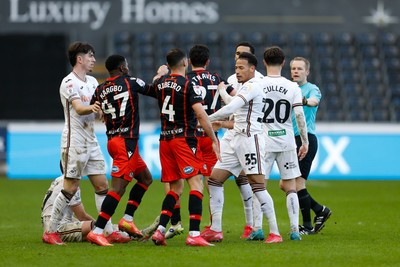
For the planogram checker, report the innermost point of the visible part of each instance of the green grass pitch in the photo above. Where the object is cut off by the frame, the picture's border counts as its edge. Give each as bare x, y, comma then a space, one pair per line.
362, 231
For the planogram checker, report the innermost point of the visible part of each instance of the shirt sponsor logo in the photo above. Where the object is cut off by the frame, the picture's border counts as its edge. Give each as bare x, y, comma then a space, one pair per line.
188, 170
174, 131
277, 133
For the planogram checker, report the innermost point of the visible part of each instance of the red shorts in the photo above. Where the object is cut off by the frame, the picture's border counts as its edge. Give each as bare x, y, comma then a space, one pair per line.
127, 162
180, 158
207, 153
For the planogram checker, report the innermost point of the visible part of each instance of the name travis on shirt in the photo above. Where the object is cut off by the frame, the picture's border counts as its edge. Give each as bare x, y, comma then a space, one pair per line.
202, 76
275, 88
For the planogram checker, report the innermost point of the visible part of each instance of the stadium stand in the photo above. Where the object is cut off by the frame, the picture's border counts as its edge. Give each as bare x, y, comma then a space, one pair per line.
358, 74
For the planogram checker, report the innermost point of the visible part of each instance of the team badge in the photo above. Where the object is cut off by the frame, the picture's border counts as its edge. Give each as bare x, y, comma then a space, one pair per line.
200, 90
114, 169
188, 170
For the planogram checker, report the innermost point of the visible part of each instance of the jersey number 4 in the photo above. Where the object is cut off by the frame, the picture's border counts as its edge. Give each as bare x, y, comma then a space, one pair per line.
168, 109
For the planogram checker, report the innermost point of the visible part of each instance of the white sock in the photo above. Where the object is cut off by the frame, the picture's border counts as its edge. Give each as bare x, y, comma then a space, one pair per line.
129, 218
257, 214
98, 230
216, 206
292, 204
267, 207
247, 198
59, 205
194, 233
162, 229
98, 199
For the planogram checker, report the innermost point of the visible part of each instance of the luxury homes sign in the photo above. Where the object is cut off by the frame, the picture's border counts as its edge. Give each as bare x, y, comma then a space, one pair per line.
95, 13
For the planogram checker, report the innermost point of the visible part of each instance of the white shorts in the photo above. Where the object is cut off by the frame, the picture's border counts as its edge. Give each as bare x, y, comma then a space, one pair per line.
83, 161
68, 232
287, 162
242, 153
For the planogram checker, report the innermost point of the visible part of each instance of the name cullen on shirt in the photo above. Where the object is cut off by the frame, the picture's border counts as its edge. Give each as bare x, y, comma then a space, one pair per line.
275, 88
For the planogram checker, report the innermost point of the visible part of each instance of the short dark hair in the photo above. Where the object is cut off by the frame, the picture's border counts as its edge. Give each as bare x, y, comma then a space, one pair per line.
78, 47
199, 54
247, 44
251, 59
174, 56
274, 55
113, 62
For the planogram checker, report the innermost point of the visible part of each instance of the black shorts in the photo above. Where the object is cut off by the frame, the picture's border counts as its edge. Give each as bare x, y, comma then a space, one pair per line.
305, 164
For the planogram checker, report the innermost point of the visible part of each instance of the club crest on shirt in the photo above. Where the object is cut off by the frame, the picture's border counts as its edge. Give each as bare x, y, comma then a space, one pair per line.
188, 170
198, 90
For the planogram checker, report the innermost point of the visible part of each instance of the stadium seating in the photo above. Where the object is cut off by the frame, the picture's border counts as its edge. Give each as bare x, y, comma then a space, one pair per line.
358, 73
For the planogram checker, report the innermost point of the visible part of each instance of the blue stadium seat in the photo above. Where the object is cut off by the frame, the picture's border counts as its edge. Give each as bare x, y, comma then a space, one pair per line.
366, 38
301, 38
145, 38
277, 38
189, 38
380, 114
256, 38
345, 38
323, 38
357, 115
167, 38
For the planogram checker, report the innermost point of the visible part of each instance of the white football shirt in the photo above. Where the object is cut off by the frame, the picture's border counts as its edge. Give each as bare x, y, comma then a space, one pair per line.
247, 115
281, 95
78, 129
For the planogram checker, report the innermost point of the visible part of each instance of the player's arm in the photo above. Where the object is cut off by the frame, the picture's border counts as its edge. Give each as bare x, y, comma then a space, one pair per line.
302, 126
217, 125
205, 123
82, 109
236, 103
80, 213
224, 94
310, 102
162, 70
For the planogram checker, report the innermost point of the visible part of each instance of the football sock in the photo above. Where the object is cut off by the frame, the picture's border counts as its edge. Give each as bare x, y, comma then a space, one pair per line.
257, 214
216, 203
195, 210
305, 206
108, 207
315, 206
60, 203
135, 197
167, 208
247, 198
292, 204
99, 197
267, 206
176, 214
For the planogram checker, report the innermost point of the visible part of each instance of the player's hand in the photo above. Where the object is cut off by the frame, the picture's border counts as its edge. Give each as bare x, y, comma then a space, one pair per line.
302, 151
222, 86
96, 107
216, 125
162, 70
305, 101
215, 147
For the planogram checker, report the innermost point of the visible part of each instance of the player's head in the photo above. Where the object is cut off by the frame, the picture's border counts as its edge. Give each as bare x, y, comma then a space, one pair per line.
245, 67
78, 51
274, 56
199, 56
117, 65
244, 47
176, 58
299, 70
